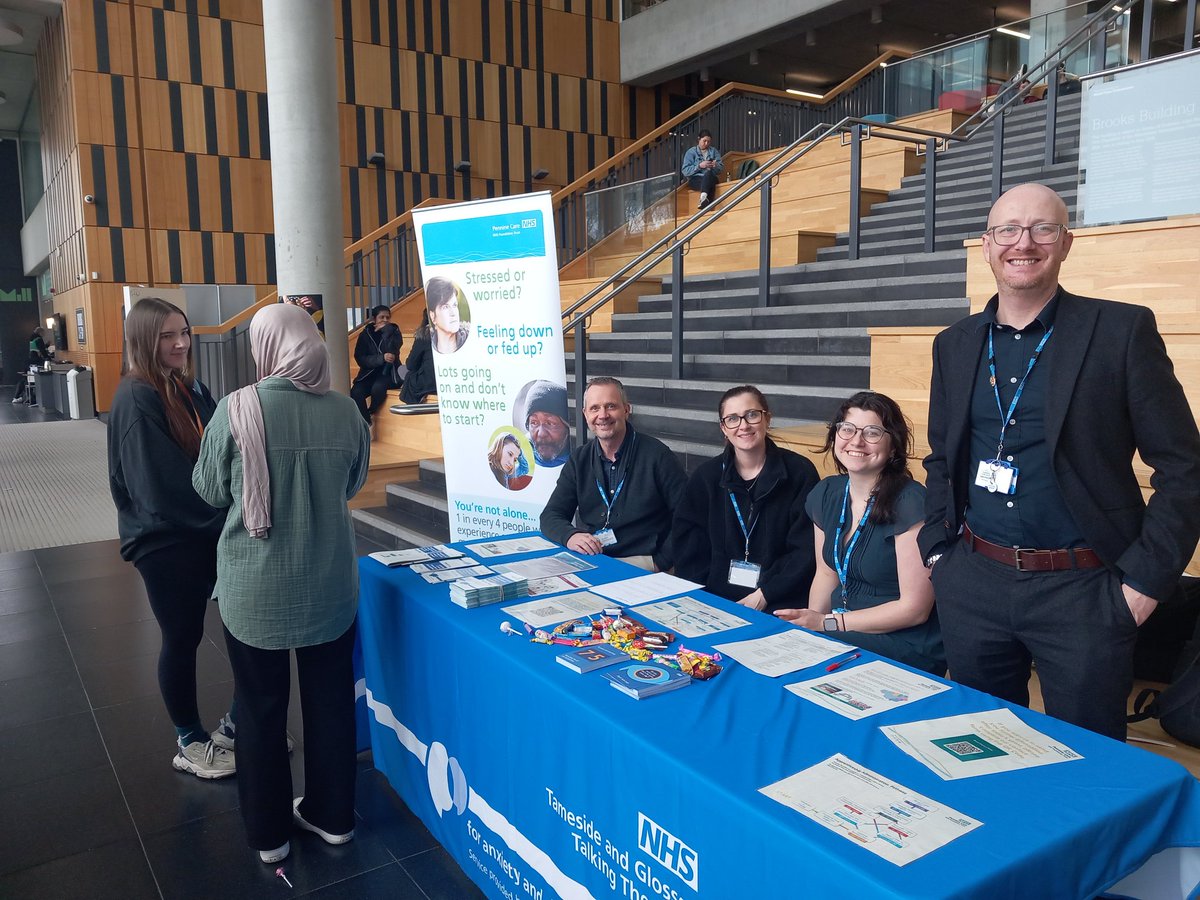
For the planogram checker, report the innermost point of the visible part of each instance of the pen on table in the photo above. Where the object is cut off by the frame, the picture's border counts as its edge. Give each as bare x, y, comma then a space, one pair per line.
841, 662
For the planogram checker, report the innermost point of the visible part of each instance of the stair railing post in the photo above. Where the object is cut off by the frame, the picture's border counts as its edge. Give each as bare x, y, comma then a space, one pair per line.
998, 154
580, 377
1189, 25
855, 188
1147, 24
930, 195
677, 312
1051, 115
764, 244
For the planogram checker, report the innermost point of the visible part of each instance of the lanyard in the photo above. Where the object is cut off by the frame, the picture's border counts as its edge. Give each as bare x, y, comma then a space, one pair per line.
742, 524
187, 399
842, 566
1005, 418
609, 504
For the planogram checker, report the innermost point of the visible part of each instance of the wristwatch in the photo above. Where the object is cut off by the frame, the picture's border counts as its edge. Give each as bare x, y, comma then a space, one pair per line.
830, 623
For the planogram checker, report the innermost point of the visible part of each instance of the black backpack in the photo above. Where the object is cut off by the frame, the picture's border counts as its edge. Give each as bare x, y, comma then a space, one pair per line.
1177, 707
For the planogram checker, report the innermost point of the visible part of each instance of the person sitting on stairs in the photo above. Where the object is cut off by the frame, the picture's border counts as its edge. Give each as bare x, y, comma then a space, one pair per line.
702, 165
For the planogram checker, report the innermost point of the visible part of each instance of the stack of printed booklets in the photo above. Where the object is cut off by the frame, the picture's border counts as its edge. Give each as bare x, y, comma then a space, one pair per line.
642, 680
485, 589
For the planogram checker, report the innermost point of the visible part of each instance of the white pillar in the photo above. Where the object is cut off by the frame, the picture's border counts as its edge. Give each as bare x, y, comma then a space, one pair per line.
305, 181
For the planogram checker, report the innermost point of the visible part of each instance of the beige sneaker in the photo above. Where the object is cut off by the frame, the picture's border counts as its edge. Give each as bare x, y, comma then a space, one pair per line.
205, 760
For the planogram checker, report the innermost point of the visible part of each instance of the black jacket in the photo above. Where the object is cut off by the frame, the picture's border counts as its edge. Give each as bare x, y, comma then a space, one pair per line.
1111, 392
370, 347
641, 517
421, 380
706, 534
150, 476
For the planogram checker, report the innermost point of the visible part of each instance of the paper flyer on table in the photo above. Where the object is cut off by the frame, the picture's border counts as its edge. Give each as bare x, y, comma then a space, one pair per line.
511, 546
644, 588
868, 689
691, 618
551, 611
783, 653
555, 584
455, 574
546, 566
879, 815
979, 743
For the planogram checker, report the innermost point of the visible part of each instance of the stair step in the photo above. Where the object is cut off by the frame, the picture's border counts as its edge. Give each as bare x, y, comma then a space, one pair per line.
393, 530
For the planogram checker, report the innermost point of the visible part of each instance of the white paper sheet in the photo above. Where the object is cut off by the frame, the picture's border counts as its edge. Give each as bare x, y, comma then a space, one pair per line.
645, 588
546, 566
689, 617
449, 575
868, 689
862, 806
552, 610
509, 546
979, 743
783, 653
555, 584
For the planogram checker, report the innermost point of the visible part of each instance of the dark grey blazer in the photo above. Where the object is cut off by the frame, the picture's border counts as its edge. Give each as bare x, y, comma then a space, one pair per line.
1112, 391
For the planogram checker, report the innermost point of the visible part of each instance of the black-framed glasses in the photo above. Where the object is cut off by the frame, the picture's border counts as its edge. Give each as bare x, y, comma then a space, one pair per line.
872, 434
1041, 232
733, 420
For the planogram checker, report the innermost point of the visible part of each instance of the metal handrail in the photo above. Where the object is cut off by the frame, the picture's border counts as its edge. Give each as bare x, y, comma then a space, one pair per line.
859, 129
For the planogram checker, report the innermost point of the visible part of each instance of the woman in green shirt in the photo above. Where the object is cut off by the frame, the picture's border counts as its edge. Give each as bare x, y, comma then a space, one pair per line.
283, 457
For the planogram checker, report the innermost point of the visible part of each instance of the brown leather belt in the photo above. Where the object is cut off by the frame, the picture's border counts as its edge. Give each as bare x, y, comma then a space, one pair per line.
1033, 560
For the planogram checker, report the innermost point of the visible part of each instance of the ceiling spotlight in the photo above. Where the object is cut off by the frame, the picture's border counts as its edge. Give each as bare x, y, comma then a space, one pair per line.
876, 15
704, 74
463, 166
754, 57
539, 174
810, 38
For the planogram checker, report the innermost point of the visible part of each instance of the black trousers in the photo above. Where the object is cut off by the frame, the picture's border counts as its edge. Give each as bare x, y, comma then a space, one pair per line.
705, 182
179, 584
1074, 624
262, 685
374, 386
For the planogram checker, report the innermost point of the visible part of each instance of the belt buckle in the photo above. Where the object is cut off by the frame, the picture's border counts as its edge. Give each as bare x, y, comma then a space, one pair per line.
1017, 558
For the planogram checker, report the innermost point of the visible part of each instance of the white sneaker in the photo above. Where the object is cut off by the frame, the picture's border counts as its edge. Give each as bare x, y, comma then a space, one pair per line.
279, 854
319, 832
205, 760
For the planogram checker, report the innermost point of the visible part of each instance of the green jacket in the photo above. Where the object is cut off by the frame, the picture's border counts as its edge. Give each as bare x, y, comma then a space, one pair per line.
298, 586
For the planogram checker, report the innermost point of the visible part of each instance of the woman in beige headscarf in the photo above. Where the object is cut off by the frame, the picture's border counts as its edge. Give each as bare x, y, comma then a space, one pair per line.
283, 456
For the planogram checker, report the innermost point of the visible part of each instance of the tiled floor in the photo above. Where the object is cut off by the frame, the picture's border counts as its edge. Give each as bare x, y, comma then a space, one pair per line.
91, 806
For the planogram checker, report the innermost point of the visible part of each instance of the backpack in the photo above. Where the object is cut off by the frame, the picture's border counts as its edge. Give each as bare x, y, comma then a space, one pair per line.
1177, 707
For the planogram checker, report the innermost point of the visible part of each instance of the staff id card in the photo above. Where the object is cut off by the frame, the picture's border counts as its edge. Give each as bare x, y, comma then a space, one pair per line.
606, 536
996, 476
744, 573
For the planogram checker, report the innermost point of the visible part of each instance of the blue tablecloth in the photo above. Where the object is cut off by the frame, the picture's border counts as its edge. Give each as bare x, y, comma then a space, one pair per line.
542, 782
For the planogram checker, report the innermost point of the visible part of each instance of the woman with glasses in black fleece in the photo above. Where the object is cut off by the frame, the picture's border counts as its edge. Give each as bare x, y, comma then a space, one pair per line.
741, 529
872, 589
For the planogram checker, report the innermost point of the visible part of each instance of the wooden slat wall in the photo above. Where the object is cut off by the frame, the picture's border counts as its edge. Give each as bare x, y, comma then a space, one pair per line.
158, 108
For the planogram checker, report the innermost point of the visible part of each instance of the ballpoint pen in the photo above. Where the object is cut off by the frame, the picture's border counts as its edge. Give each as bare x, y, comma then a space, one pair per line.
841, 662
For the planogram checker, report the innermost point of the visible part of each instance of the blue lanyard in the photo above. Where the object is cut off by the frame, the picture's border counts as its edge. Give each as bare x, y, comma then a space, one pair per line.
742, 523
842, 566
1012, 407
609, 504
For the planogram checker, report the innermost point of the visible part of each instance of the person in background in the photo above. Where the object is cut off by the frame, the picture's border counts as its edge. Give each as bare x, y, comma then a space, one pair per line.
449, 332
282, 457
621, 487
871, 588
377, 352
421, 380
702, 166
313, 304
507, 462
740, 528
169, 533
38, 355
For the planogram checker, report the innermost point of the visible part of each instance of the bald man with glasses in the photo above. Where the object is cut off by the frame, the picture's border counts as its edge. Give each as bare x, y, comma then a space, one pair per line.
1040, 545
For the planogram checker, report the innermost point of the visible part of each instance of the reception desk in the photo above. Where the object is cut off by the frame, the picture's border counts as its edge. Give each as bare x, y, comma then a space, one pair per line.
543, 782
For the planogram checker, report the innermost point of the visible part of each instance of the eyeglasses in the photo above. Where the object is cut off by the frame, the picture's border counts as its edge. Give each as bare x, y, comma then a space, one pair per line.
733, 420
872, 434
1041, 232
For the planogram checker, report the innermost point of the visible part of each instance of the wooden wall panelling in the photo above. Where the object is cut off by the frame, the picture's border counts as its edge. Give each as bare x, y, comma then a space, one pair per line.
249, 11
372, 75
564, 43
250, 59
104, 108
113, 177
117, 255
99, 36
166, 189
251, 195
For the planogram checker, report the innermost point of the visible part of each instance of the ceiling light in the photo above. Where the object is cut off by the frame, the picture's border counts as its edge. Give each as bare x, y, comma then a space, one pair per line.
1011, 33
876, 15
754, 57
810, 39
808, 94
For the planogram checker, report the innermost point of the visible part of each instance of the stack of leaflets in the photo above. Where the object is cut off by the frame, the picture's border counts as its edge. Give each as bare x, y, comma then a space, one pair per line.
642, 680
484, 589
588, 659
393, 558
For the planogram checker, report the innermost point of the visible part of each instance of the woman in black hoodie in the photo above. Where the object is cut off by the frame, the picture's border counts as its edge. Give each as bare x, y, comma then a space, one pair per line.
168, 533
741, 529
377, 353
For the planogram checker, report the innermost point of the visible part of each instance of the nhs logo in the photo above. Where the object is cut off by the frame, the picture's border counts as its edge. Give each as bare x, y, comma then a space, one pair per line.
669, 850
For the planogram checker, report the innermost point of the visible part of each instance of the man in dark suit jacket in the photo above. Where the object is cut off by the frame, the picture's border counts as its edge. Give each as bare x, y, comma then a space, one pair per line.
1039, 543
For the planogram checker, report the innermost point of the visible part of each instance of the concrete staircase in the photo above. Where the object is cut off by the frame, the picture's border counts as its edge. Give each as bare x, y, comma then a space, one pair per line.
809, 348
